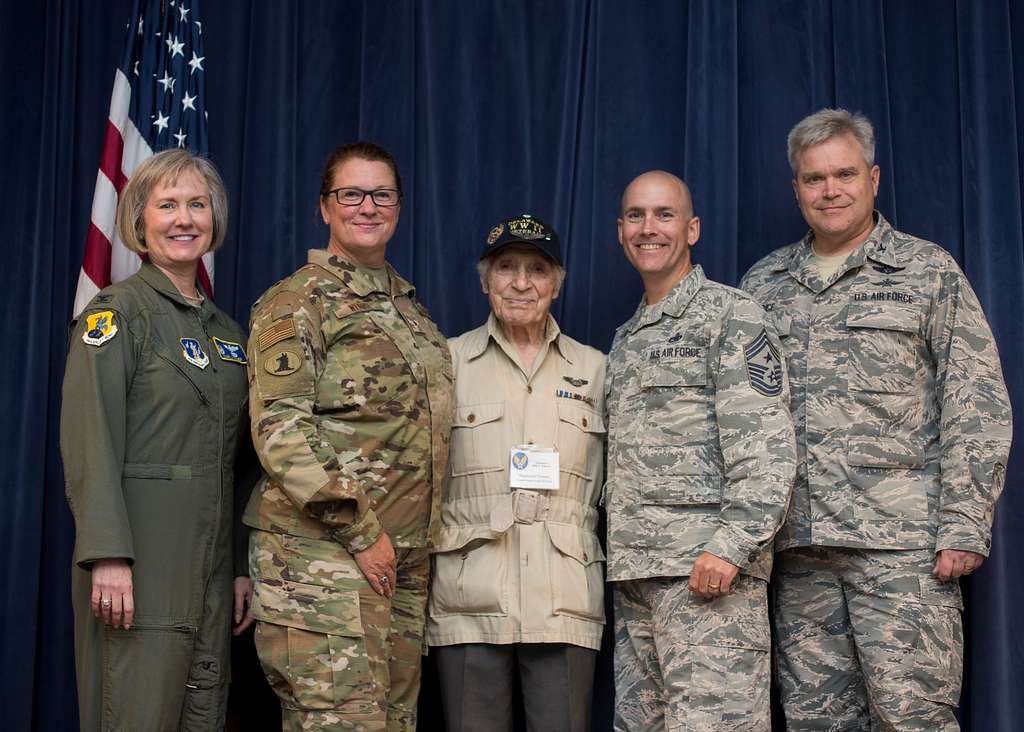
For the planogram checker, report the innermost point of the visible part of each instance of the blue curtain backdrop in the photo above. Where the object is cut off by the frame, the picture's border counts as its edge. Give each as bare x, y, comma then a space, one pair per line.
494, 108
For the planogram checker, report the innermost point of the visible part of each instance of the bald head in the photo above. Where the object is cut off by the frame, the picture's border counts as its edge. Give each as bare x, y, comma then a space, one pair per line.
671, 184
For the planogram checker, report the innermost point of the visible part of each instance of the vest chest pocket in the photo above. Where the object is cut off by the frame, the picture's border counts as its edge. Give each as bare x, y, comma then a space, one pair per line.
476, 437
675, 396
883, 353
580, 433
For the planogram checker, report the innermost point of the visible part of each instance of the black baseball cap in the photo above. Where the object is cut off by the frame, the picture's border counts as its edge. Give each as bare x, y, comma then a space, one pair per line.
524, 230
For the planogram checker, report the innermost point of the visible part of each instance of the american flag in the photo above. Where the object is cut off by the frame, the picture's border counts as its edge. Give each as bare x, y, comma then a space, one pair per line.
157, 103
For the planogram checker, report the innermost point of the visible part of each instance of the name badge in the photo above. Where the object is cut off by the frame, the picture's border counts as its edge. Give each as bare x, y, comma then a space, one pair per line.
533, 467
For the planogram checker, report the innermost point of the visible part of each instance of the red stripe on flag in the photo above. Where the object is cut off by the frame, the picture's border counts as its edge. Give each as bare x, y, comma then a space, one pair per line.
110, 159
96, 260
204, 279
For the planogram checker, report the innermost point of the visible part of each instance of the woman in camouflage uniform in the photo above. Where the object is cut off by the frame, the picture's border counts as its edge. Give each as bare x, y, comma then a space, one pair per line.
351, 387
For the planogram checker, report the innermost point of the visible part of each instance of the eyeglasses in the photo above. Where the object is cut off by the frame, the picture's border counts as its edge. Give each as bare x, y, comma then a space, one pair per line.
386, 197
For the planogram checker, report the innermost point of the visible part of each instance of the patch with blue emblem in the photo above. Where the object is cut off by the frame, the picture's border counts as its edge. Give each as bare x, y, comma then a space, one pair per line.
230, 351
764, 366
99, 328
194, 353
520, 460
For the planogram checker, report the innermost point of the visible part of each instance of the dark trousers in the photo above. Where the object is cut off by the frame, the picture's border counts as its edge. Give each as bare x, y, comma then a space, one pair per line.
557, 680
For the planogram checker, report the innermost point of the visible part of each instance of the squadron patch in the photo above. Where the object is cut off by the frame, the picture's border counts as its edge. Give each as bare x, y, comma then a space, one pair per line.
194, 353
230, 351
575, 381
495, 233
276, 333
764, 366
282, 363
99, 328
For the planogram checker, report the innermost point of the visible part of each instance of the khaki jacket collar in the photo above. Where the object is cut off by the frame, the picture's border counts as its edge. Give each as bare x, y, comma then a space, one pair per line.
479, 340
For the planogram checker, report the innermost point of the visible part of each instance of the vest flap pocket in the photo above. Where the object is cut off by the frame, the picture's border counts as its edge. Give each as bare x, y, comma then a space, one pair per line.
580, 416
679, 371
883, 452
574, 542
456, 537
682, 490
474, 415
309, 607
883, 316
157, 470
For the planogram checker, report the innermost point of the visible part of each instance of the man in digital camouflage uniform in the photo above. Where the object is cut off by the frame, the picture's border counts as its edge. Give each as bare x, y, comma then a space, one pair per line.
903, 429
351, 394
701, 457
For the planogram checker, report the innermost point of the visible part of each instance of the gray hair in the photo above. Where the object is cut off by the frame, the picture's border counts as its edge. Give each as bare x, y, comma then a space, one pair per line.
166, 167
825, 124
483, 268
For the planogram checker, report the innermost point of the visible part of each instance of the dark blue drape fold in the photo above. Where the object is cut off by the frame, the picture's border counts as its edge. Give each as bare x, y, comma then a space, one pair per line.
495, 108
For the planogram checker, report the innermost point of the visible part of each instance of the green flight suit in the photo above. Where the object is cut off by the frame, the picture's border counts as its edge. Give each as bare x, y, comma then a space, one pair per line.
158, 463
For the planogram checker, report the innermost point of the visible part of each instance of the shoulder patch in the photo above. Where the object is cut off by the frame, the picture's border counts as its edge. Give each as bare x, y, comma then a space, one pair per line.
282, 363
280, 331
99, 328
764, 366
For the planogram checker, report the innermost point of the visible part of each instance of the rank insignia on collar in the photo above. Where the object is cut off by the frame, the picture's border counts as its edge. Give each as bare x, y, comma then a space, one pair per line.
885, 268
99, 328
194, 353
575, 381
764, 366
230, 351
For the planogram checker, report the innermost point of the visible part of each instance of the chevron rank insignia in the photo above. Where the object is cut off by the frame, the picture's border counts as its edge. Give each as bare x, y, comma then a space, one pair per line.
764, 366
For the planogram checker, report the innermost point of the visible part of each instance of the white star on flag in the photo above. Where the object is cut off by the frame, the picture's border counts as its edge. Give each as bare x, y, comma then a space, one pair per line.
186, 102
180, 137
184, 12
161, 121
175, 46
196, 62
168, 82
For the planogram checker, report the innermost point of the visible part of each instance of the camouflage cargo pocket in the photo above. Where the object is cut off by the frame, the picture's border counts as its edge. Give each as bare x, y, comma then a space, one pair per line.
677, 400
938, 661
886, 480
311, 670
883, 347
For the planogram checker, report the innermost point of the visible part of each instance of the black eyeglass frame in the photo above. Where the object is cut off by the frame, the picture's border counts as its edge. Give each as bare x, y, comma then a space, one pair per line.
371, 194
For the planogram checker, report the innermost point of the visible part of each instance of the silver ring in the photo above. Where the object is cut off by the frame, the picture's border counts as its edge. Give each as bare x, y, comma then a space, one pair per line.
106, 603
384, 579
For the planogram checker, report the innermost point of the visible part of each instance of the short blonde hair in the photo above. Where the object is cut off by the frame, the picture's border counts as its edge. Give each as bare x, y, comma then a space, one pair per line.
168, 166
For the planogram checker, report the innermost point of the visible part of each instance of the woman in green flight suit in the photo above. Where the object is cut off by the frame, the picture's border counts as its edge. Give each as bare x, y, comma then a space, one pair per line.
157, 458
